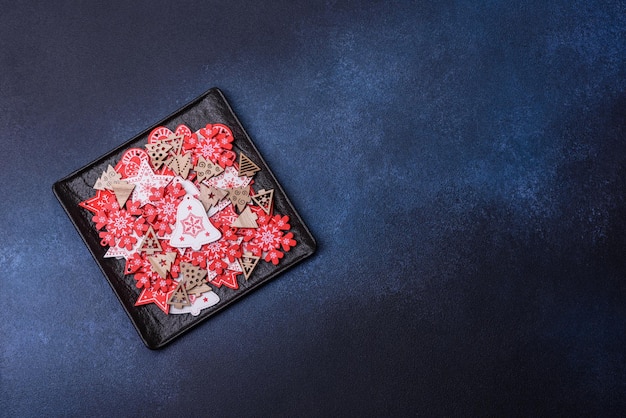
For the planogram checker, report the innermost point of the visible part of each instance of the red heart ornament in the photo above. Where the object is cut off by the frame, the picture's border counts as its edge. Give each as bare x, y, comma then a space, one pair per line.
128, 165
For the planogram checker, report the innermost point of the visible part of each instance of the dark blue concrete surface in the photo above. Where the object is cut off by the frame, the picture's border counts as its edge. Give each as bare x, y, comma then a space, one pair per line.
461, 164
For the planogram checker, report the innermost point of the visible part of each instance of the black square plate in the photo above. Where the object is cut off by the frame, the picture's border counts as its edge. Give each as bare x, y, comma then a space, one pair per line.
154, 326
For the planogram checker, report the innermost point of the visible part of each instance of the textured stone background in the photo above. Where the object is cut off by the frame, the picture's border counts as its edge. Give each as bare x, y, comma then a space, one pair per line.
461, 164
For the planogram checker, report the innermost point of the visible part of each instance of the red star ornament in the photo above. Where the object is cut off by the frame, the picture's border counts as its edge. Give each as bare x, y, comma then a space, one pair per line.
99, 201
228, 279
158, 297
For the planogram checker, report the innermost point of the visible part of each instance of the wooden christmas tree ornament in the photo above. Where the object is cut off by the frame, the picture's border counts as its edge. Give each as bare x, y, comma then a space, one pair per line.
193, 275
264, 199
106, 180
239, 196
246, 166
150, 243
176, 141
209, 196
247, 219
122, 190
162, 263
198, 290
206, 169
193, 278
248, 262
180, 164
179, 297
158, 153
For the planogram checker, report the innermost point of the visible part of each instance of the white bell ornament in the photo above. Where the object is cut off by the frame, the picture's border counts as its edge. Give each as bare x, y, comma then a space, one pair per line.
193, 228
